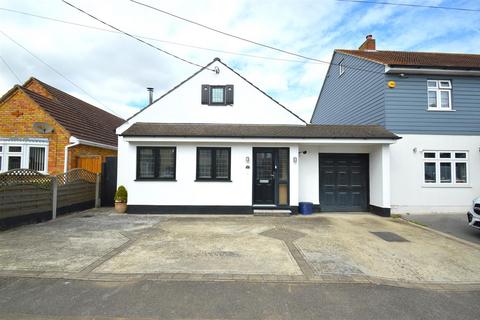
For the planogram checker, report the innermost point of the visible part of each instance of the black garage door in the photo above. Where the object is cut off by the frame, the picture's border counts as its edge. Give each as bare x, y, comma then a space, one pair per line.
343, 182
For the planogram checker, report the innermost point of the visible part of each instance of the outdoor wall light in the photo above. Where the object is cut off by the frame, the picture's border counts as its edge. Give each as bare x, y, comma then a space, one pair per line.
247, 159
415, 150
295, 159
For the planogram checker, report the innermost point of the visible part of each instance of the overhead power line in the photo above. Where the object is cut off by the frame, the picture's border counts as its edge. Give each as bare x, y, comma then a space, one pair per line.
55, 70
155, 39
225, 33
9, 68
411, 5
184, 44
135, 37
298, 55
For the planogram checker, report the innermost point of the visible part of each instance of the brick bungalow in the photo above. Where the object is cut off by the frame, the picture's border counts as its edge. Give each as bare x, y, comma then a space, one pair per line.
48, 130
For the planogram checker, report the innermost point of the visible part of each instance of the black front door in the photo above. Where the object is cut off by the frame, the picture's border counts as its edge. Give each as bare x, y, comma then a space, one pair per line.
263, 176
271, 176
343, 182
109, 181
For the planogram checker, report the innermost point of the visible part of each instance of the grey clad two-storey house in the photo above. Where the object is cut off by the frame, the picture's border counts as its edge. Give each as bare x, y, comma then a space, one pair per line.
432, 101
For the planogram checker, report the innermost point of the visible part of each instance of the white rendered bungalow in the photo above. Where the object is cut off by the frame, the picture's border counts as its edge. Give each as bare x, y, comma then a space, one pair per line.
218, 144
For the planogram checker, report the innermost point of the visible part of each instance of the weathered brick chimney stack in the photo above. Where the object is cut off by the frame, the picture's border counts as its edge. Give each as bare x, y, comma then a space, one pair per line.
369, 44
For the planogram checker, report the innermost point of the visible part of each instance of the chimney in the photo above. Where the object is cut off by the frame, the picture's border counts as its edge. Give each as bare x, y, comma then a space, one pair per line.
369, 44
150, 95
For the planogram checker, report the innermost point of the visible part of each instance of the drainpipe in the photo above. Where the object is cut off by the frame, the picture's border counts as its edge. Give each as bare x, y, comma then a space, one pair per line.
74, 142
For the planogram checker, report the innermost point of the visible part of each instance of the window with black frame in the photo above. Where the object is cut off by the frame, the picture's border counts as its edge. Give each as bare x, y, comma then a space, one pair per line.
156, 163
213, 164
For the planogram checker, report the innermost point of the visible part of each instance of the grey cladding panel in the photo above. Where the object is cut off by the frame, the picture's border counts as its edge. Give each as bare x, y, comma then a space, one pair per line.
355, 97
406, 106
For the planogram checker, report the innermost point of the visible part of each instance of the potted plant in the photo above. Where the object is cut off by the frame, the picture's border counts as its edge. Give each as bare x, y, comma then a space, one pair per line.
121, 199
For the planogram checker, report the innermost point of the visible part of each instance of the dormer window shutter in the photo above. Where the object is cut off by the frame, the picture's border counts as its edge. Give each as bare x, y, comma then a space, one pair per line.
229, 94
205, 94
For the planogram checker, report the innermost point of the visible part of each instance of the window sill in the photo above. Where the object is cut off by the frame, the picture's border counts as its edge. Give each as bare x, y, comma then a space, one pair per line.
213, 180
446, 185
440, 110
156, 179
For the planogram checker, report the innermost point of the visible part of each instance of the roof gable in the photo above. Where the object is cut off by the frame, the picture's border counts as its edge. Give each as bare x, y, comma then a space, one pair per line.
182, 104
81, 119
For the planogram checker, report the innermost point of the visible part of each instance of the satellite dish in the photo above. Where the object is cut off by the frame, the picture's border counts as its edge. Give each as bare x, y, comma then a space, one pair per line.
42, 127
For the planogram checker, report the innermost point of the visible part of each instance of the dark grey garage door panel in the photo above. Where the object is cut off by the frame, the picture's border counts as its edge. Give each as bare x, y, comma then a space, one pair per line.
343, 182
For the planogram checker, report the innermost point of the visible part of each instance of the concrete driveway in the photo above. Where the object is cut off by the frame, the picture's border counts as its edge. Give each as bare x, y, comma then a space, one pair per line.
454, 224
98, 244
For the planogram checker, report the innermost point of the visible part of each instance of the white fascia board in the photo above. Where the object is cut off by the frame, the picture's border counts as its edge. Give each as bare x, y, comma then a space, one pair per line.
453, 72
259, 140
123, 127
91, 143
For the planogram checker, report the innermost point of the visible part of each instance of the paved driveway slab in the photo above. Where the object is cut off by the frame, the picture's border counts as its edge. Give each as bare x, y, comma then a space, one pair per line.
228, 245
68, 244
101, 245
349, 246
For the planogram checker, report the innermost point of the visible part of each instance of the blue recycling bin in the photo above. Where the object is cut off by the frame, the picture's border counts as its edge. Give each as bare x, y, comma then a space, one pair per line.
305, 208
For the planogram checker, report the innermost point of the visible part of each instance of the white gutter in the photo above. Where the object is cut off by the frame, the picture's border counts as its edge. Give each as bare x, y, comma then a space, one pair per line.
96, 144
453, 72
73, 142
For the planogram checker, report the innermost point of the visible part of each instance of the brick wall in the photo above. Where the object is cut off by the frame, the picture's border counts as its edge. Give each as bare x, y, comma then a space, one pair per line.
18, 113
35, 86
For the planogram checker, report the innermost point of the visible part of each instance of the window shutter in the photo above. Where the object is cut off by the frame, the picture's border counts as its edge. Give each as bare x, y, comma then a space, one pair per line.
229, 94
205, 93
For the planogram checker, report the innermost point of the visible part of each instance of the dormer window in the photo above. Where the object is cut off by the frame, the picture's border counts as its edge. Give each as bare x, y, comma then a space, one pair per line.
341, 68
217, 95
439, 95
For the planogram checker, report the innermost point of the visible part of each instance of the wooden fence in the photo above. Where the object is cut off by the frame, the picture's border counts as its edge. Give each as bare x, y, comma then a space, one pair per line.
29, 196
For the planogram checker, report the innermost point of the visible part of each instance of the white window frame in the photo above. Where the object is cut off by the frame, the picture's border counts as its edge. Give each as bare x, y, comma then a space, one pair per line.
453, 161
25, 144
438, 89
341, 68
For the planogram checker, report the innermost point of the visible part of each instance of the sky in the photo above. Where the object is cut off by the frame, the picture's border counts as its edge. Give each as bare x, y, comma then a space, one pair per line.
112, 71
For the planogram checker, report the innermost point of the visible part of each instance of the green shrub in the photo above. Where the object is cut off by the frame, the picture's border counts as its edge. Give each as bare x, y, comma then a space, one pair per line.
121, 195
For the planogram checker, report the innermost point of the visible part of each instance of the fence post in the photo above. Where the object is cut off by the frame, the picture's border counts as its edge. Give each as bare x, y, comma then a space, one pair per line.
54, 197
97, 191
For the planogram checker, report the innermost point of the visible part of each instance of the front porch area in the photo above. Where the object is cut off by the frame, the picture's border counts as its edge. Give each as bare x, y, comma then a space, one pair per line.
351, 176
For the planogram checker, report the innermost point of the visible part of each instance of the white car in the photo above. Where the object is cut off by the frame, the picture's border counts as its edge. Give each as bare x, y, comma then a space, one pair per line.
473, 214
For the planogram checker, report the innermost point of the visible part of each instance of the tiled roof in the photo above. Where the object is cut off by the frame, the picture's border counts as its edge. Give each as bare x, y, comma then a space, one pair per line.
81, 119
419, 59
309, 131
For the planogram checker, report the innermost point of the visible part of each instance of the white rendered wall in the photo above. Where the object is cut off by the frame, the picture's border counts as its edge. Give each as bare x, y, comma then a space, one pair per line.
410, 195
378, 163
379, 166
183, 105
185, 190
